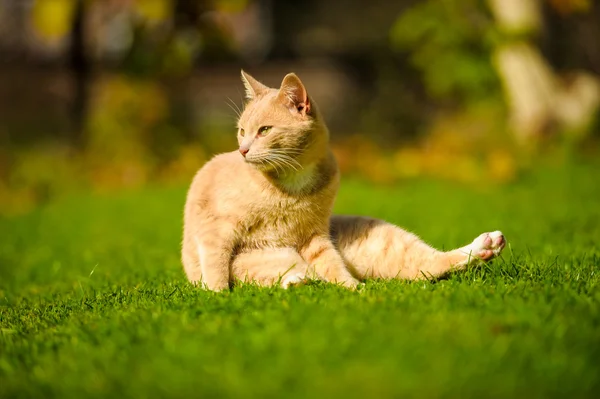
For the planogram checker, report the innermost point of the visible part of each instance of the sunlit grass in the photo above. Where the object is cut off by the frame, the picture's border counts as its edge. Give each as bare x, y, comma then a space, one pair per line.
93, 302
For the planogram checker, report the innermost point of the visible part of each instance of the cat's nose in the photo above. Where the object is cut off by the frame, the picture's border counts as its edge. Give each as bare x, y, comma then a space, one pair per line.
244, 151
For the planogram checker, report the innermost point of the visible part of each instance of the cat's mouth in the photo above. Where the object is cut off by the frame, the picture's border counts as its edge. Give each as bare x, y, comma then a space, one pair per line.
280, 163
260, 163
256, 162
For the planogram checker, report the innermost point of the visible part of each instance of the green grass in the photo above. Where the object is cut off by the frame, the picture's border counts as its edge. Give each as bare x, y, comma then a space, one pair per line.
93, 302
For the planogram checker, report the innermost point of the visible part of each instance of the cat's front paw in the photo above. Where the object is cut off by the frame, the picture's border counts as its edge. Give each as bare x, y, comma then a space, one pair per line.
351, 283
487, 246
292, 279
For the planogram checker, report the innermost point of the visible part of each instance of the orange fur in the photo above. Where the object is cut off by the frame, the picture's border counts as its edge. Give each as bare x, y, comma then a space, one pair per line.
263, 213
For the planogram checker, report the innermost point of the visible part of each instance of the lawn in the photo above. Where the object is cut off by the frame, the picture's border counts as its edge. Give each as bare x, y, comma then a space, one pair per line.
94, 303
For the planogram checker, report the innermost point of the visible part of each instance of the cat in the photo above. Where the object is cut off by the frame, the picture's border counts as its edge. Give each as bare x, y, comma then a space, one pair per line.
263, 213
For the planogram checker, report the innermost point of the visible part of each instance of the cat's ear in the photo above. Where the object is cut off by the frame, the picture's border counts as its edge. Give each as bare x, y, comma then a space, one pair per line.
294, 95
253, 87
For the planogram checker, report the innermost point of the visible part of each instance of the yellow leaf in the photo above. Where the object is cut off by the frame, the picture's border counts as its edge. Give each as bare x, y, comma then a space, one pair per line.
231, 6
51, 19
153, 11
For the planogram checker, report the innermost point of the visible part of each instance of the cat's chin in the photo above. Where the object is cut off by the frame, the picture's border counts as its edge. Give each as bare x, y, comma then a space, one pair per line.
258, 165
270, 169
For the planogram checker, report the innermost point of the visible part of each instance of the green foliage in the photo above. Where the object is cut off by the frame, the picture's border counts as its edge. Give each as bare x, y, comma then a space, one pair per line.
131, 138
93, 303
450, 42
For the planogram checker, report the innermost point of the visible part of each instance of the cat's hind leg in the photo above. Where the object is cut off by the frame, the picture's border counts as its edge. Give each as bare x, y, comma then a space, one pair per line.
270, 266
372, 248
484, 248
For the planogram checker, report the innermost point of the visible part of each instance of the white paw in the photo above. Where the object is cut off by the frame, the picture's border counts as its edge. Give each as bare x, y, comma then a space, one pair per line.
487, 246
292, 279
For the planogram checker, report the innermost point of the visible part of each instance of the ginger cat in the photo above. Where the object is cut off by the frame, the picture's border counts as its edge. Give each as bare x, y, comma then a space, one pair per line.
263, 213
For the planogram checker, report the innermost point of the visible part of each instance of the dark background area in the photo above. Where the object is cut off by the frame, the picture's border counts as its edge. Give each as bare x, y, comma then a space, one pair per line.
116, 93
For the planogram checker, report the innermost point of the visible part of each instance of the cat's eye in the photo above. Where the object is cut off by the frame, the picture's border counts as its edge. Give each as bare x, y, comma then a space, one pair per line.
263, 131
242, 132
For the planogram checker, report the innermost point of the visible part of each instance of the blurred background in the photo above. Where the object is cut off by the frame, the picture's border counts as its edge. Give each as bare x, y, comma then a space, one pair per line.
110, 94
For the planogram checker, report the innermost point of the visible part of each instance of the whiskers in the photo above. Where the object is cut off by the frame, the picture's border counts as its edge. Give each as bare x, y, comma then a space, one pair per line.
266, 161
234, 107
280, 159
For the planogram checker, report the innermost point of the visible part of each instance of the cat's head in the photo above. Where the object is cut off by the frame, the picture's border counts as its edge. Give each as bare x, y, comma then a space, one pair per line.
279, 129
